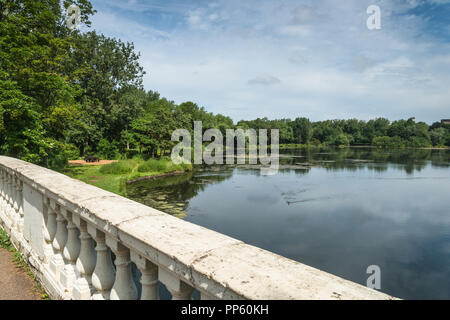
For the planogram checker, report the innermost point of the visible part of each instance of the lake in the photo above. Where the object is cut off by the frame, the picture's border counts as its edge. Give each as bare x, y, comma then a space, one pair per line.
338, 210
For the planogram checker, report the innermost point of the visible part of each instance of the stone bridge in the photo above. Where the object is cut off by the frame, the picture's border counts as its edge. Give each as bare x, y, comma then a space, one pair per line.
68, 231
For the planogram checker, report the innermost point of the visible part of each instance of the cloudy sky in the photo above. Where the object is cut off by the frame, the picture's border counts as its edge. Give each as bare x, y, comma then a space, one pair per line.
291, 58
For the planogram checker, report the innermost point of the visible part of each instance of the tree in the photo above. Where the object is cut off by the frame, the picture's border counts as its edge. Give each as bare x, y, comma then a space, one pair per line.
37, 100
302, 130
110, 77
438, 136
153, 130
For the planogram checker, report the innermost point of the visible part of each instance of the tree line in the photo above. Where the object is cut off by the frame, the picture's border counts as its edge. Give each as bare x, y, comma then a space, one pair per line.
66, 94
379, 132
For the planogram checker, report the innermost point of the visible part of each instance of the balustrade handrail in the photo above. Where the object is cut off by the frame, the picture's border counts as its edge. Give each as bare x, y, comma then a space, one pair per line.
56, 221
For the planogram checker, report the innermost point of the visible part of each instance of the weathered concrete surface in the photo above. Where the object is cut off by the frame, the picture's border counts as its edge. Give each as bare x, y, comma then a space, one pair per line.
217, 265
15, 284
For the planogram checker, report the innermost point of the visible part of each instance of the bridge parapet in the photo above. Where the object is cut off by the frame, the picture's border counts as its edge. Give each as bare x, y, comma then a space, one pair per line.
69, 231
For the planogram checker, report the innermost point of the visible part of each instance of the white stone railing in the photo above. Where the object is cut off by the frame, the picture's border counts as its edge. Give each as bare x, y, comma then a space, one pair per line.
68, 231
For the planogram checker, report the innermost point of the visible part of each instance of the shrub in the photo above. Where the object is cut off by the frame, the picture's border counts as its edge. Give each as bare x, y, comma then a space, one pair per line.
108, 150
389, 142
419, 142
61, 153
120, 167
381, 142
185, 166
153, 165
341, 139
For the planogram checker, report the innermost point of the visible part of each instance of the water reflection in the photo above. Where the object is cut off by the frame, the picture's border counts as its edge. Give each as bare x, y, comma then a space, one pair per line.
336, 210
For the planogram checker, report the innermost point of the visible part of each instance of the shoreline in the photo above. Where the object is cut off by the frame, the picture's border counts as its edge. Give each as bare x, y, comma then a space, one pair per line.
156, 176
116, 182
292, 147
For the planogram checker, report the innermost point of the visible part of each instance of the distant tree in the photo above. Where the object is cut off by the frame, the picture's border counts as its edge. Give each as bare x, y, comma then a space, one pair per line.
152, 131
341, 140
438, 136
382, 142
302, 130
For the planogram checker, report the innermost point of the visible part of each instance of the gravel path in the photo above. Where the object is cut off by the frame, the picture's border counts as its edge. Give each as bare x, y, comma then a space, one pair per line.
15, 284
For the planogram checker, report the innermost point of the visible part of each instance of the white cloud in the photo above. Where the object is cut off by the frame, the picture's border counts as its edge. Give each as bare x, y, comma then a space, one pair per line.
265, 80
317, 60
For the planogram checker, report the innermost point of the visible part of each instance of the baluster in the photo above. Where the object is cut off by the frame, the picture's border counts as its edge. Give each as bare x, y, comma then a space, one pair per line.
12, 211
82, 290
2, 192
149, 278
20, 213
177, 288
124, 287
8, 192
15, 204
104, 274
49, 229
16, 234
57, 260
70, 253
5, 191
7, 210
12, 199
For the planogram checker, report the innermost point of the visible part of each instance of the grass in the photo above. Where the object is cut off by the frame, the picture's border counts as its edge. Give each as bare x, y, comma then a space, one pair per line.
20, 263
162, 166
122, 167
113, 177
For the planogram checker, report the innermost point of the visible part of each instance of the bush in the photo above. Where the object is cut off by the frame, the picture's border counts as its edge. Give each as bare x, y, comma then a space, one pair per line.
419, 142
153, 165
107, 150
341, 140
130, 154
185, 167
388, 142
61, 153
120, 167
381, 142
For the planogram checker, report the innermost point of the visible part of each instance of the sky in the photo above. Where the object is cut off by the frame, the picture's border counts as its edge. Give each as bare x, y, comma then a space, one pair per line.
291, 58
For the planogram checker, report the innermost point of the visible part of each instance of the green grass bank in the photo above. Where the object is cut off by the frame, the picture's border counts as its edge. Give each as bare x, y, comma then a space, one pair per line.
113, 177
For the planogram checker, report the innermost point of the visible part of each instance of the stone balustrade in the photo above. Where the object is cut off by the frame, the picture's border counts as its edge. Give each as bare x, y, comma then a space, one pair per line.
70, 232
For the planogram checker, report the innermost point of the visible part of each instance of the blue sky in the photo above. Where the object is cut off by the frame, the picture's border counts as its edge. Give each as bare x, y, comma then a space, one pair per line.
287, 59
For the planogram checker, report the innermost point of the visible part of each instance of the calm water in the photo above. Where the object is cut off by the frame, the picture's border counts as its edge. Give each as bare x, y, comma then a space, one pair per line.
336, 210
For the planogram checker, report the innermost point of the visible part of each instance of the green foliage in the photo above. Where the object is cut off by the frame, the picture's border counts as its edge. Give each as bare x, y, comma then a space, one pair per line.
37, 100
153, 165
382, 142
108, 150
341, 140
379, 132
61, 153
439, 136
121, 167
5, 242
110, 80
419, 142
163, 166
